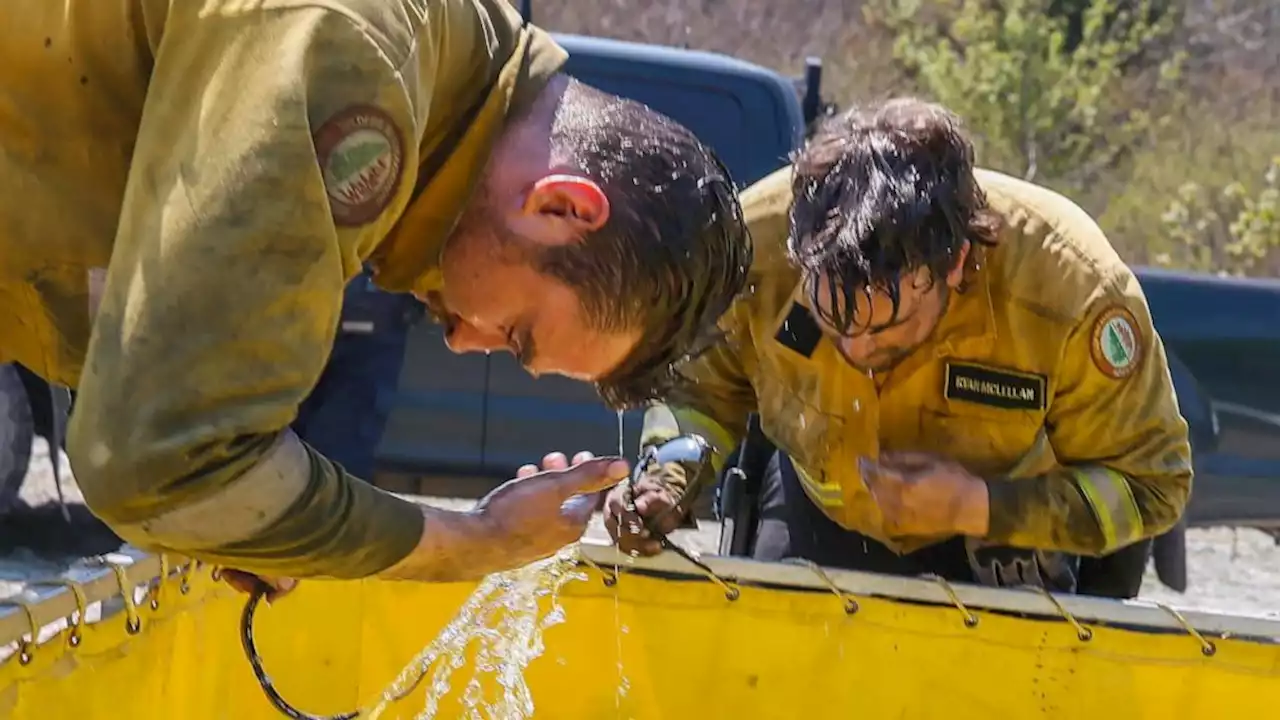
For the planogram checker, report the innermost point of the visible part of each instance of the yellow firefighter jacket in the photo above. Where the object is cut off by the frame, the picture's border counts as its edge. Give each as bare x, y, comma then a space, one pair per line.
1045, 377
196, 181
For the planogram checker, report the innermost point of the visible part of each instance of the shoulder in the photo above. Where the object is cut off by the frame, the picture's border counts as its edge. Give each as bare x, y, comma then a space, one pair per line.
766, 206
1053, 259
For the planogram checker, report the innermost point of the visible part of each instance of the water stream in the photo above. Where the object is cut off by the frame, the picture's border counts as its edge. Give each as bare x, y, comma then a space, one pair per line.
495, 635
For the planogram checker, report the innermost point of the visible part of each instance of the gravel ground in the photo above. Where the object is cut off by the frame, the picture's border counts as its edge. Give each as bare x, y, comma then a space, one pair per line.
1231, 570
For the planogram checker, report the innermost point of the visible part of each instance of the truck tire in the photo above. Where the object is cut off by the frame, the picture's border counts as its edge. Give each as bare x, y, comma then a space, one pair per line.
1170, 555
17, 432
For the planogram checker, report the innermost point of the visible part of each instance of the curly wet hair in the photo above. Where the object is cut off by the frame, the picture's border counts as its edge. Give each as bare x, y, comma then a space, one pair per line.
879, 192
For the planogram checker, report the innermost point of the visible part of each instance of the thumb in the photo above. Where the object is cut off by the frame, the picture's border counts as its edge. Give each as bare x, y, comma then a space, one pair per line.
591, 476
578, 509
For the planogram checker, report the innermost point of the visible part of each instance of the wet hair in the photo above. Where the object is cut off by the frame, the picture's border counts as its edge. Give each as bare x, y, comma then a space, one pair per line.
675, 250
879, 192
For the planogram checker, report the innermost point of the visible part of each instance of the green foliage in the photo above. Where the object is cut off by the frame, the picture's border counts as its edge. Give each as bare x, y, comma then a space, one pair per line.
1231, 230
1046, 95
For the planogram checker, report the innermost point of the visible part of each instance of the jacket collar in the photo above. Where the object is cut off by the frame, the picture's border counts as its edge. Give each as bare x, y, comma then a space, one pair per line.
408, 260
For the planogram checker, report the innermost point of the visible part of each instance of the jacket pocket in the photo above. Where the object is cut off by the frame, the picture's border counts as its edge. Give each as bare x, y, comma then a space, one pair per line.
989, 444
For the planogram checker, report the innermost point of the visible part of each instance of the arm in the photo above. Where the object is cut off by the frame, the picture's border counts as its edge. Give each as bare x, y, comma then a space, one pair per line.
715, 405
1115, 427
224, 292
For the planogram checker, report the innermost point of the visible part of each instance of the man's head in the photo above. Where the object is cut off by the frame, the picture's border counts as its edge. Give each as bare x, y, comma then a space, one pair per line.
603, 244
884, 224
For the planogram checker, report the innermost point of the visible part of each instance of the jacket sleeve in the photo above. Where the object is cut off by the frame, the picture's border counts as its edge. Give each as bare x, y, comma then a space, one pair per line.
1122, 445
276, 149
714, 403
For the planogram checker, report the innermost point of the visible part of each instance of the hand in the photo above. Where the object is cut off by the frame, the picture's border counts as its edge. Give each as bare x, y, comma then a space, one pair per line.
923, 495
553, 461
539, 512
654, 501
522, 521
247, 582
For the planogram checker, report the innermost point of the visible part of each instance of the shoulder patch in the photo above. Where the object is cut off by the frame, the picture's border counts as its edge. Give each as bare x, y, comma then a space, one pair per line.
361, 156
799, 331
1117, 346
996, 387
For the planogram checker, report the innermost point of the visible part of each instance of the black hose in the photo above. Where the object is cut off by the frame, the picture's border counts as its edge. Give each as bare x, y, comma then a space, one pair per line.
255, 661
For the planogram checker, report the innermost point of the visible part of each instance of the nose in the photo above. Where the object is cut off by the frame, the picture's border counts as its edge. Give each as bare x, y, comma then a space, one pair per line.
463, 337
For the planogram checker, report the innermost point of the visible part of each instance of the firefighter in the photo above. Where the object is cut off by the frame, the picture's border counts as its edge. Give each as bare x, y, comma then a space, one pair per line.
185, 189
961, 375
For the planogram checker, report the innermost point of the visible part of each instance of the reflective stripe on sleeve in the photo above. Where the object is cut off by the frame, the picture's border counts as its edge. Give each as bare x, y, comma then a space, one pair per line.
824, 494
248, 506
1111, 498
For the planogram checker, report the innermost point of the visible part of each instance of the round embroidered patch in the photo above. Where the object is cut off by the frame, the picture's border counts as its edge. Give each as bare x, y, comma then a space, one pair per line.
1117, 346
361, 155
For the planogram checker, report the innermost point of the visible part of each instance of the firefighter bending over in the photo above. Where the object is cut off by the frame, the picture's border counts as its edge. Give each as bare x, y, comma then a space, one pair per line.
961, 374
187, 187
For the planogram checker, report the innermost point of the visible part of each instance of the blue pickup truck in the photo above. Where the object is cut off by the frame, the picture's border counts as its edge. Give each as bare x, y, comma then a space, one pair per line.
473, 419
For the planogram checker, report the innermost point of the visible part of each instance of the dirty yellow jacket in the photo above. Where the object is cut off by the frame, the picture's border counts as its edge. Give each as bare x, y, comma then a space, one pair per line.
195, 181
1045, 377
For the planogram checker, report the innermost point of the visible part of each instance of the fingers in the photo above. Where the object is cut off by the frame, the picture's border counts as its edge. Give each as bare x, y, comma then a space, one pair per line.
615, 504
591, 476
626, 527
552, 461
248, 582
578, 510
655, 502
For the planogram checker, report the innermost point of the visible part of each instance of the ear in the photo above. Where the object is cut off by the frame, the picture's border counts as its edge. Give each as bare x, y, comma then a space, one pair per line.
956, 275
575, 203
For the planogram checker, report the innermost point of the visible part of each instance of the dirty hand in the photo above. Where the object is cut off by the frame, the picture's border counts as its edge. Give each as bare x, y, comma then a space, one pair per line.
246, 582
539, 512
923, 495
654, 501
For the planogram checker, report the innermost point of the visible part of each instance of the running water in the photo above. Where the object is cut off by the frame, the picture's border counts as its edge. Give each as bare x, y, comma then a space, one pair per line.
498, 632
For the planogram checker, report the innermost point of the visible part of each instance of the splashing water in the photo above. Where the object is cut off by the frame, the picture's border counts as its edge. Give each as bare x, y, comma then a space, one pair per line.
502, 624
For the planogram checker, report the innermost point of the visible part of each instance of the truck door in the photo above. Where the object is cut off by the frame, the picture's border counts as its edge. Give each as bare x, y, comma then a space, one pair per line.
437, 422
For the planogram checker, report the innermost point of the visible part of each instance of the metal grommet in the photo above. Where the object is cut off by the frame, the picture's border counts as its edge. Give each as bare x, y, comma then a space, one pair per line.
850, 604
731, 591
82, 606
1207, 647
1083, 633
155, 591
188, 573
970, 620
609, 578
26, 648
133, 622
